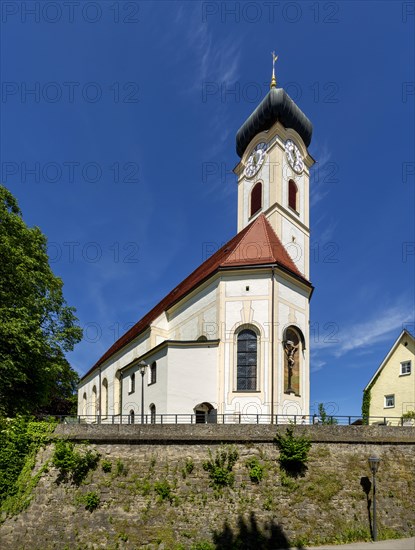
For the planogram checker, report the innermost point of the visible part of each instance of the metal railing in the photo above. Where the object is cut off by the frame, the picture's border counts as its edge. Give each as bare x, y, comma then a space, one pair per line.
232, 418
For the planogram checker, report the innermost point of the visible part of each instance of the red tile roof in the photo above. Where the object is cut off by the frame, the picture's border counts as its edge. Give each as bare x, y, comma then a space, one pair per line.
256, 244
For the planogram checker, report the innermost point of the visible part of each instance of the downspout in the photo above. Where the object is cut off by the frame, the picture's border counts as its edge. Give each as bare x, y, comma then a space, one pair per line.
272, 344
99, 397
120, 396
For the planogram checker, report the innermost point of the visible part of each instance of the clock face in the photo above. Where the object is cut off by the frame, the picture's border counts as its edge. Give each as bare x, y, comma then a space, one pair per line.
294, 156
255, 160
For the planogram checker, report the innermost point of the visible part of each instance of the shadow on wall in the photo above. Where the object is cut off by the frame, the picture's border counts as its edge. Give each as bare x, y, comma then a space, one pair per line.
366, 486
248, 536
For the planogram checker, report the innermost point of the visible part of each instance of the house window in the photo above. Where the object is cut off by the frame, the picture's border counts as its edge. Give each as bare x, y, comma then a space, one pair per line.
132, 383
246, 378
256, 198
293, 195
131, 416
405, 367
389, 401
153, 373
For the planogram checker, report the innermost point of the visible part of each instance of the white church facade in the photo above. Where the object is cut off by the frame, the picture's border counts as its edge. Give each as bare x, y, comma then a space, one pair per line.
233, 338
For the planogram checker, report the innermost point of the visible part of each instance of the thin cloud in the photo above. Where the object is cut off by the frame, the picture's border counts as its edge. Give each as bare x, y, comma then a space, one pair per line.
381, 327
316, 365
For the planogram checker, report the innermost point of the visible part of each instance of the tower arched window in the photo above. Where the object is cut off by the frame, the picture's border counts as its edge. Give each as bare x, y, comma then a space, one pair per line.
294, 346
256, 198
247, 358
293, 195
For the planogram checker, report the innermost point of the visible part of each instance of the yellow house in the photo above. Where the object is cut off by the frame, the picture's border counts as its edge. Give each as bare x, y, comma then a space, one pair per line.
391, 390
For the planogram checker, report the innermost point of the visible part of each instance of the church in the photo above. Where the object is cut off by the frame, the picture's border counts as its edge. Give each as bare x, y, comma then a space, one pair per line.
231, 342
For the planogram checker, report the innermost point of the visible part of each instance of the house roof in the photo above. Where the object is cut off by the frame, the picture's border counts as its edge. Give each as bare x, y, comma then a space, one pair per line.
403, 334
257, 244
276, 105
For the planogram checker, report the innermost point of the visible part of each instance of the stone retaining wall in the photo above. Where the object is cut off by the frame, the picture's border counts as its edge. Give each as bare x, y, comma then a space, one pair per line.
327, 504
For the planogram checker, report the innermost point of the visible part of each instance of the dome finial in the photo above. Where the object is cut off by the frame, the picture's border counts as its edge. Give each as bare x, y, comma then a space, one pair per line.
273, 79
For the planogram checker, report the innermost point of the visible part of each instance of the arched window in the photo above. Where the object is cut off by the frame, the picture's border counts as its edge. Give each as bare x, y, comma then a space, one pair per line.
84, 404
152, 413
256, 198
293, 343
132, 416
104, 397
94, 401
132, 383
247, 355
117, 392
153, 373
293, 195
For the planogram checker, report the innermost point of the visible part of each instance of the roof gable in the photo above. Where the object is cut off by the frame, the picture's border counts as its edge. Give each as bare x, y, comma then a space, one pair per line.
402, 335
257, 244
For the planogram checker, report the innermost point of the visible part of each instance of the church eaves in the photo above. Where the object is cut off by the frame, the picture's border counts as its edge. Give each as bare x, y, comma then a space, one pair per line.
255, 245
276, 106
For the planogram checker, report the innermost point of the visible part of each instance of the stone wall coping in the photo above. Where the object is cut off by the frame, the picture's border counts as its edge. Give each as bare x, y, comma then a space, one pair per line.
243, 433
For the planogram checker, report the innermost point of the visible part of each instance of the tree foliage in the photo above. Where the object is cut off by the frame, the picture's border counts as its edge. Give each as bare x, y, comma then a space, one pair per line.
37, 327
324, 417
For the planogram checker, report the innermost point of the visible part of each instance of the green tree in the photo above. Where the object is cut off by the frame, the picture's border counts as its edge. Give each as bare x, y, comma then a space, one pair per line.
37, 327
324, 417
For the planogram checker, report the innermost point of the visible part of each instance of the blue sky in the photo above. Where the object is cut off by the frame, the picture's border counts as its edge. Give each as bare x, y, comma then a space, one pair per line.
118, 123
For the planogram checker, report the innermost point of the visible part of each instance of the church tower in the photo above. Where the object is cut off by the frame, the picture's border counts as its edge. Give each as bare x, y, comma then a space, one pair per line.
230, 343
273, 174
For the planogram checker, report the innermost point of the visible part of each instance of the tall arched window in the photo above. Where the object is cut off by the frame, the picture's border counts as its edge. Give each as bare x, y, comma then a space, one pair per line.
293, 352
132, 416
104, 397
117, 392
152, 413
153, 373
247, 355
132, 383
256, 198
293, 195
84, 404
94, 401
